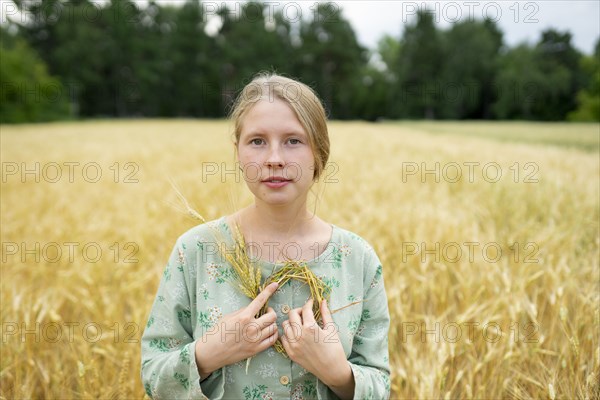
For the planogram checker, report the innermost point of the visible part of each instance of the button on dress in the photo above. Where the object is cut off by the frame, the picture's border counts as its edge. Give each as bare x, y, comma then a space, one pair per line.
194, 293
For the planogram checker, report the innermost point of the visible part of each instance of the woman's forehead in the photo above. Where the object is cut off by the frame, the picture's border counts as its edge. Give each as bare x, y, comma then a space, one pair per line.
271, 117
269, 106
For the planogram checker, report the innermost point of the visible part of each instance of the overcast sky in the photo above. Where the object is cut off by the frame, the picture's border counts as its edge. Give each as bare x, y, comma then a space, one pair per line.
519, 20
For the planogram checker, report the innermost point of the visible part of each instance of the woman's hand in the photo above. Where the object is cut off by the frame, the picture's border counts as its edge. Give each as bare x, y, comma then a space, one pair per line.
317, 349
238, 335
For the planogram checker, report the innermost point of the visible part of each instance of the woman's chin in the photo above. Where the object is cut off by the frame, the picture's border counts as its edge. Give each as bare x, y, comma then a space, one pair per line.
277, 199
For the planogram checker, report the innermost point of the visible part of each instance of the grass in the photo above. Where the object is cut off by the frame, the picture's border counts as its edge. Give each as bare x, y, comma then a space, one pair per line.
583, 136
528, 319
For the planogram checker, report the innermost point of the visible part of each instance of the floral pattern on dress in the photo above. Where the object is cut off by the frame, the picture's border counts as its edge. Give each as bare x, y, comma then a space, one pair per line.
378, 274
179, 291
267, 370
181, 259
233, 300
214, 314
184, 316
182, 379
184, 355
167, 273
257, 392
203, 291
219, 273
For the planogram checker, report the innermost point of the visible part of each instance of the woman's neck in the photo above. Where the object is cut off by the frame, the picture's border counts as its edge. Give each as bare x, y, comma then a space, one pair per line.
283, 222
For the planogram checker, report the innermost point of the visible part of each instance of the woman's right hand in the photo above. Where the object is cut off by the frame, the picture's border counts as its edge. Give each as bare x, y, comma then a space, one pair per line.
238, 335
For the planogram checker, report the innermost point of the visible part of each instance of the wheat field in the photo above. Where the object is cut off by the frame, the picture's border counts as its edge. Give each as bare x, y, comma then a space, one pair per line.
488, 234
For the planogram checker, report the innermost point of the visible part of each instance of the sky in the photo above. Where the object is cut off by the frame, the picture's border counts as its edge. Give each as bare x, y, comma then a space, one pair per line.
520, 21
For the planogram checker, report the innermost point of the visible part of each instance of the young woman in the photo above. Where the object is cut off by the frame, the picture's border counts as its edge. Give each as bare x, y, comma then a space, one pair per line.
201, 330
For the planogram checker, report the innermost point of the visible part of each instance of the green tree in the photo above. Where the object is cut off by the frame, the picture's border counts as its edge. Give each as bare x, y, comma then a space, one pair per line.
27, 92
388, 49
370, 94
97, 48
39, 30
379, 76
419, 69
540, 82
330, 58
588, 99
121, 21
154, 71
72, 40
193, 82
250, 41
558, 60
518, 83
469, 69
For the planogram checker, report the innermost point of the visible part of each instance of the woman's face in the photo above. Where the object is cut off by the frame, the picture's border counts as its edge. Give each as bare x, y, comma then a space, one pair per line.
273, 143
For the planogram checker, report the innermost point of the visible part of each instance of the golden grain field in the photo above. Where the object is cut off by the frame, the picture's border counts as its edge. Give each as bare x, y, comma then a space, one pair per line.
492, 277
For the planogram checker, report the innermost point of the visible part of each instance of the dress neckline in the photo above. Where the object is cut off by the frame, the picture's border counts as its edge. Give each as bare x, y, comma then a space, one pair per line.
334, 231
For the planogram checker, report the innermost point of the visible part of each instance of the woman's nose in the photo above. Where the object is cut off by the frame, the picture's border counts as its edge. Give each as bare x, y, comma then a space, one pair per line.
274, 158
274, 163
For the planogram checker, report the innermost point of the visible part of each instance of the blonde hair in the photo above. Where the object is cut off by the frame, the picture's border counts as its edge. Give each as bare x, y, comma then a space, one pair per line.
300, 97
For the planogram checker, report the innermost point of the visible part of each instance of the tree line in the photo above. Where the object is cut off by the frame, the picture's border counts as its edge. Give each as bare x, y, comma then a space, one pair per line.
82, 59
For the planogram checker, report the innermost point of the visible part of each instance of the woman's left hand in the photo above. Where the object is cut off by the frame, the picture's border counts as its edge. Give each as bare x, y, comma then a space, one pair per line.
317, 349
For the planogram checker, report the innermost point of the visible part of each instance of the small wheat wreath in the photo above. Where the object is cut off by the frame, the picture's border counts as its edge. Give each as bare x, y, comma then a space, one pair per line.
247, 279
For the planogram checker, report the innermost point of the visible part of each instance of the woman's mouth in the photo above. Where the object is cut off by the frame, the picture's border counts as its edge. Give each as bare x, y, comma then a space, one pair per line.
276, 182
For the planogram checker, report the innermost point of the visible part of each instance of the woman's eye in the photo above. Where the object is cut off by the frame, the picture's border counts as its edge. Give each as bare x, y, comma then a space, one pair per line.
292, 141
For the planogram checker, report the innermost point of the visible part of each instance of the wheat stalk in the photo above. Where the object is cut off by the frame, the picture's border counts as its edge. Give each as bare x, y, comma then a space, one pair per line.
123, 392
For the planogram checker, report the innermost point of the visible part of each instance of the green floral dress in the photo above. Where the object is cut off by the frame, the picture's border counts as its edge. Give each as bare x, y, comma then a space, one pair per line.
194, 294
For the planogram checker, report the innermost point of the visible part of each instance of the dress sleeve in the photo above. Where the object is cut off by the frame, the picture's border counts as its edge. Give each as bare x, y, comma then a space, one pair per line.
369, 359
169, 368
